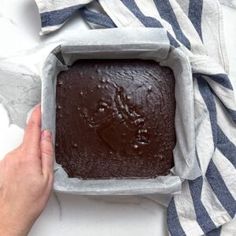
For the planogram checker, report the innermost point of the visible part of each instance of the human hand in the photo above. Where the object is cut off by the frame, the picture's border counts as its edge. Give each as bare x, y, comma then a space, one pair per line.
26, 178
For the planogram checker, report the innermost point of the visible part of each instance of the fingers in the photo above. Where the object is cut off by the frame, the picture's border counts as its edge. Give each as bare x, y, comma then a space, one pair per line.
31, 141
47, 153
38, 144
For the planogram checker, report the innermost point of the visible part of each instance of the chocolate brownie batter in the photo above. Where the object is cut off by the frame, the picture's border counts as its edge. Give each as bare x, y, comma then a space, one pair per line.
115, 119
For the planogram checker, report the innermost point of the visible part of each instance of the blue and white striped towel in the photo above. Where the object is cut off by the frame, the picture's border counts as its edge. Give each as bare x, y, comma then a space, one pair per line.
208, 202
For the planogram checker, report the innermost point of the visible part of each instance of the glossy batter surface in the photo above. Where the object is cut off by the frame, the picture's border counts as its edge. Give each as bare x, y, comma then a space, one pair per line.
115, 119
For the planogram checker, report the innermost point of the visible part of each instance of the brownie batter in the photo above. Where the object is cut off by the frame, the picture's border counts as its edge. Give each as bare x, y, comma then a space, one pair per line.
115, 119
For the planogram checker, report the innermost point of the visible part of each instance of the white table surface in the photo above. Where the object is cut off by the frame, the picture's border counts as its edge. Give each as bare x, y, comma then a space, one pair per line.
76, 215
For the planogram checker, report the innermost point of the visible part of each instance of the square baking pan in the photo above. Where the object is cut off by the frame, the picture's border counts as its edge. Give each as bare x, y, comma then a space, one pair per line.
146, 44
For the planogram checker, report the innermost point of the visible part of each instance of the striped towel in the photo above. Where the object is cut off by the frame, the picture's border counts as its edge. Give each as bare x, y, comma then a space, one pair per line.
195, 26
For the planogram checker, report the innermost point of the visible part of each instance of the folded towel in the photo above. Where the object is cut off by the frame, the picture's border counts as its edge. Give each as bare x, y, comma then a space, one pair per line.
206, 202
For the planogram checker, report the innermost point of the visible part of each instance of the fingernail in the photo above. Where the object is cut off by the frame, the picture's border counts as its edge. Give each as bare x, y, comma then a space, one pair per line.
38, 105
46, 134
31, 111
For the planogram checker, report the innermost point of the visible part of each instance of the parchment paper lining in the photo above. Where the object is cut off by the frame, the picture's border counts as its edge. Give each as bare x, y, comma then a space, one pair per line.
127, 44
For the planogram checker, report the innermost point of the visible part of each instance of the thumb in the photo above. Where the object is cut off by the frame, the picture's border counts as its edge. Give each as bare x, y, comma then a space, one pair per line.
47, 152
